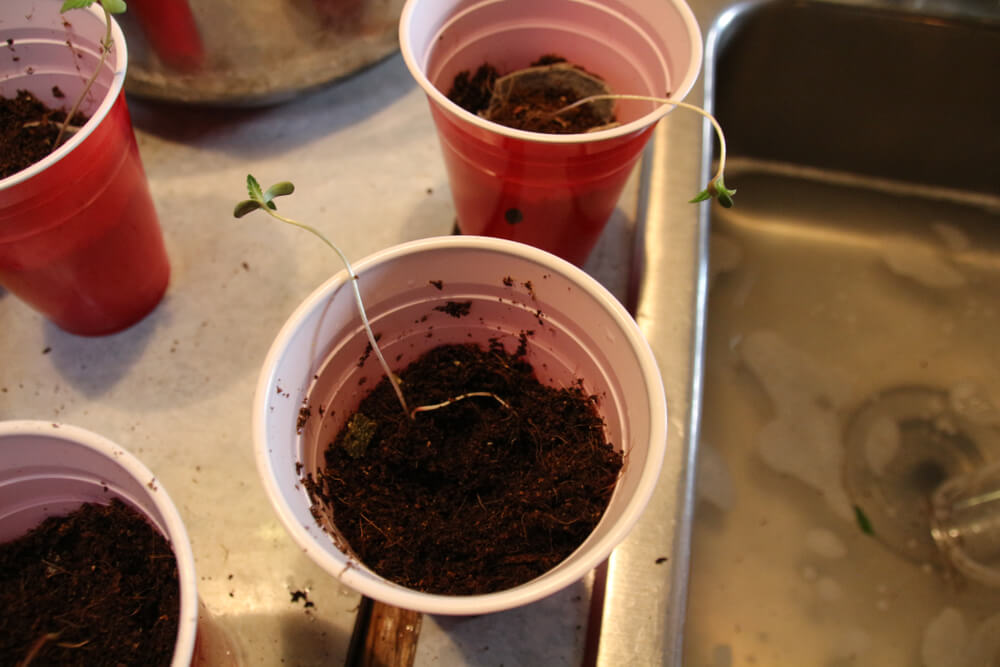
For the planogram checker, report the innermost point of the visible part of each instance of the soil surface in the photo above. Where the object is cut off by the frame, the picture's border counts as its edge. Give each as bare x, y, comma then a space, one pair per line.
28, 131
478, 495
531, 111
96, 587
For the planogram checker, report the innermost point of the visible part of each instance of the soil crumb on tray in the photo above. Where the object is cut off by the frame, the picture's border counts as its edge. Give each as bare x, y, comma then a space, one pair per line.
479, 495
98, 586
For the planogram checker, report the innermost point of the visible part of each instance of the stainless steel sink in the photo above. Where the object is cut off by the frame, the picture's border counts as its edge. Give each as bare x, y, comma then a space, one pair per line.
852, 347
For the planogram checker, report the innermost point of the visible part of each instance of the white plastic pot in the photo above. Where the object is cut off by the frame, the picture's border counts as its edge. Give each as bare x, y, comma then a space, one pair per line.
51, 469
580, 331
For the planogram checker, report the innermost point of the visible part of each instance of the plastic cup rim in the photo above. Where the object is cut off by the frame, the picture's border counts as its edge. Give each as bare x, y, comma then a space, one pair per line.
417, 67
120, 65
176, 533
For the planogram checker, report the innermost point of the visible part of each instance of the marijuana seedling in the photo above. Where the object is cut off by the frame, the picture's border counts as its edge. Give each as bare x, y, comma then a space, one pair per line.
109, 7
716, 187
264, 200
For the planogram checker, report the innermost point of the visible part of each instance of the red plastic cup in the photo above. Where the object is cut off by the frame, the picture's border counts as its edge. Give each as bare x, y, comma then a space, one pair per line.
172, 31
79, 237
555, 192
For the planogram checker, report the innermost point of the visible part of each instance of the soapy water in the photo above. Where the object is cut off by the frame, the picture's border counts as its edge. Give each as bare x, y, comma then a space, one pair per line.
714, 483
924, 263
802, 436
975, 402
825, 543
725, 255
803, 439
882, 444
954, 239
948, 641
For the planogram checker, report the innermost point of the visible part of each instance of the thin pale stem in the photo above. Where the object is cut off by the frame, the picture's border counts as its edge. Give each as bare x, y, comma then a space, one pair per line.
36, 646
456, 399
357, 298
105, 50
684, 105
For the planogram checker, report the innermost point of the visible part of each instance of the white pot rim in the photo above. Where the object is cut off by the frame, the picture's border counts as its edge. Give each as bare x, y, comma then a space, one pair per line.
370, 584
118, 59
174, 526
416, 66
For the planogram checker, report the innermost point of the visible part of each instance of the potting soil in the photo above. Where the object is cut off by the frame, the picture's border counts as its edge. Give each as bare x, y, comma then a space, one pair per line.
479, 495
28, 131
96, 587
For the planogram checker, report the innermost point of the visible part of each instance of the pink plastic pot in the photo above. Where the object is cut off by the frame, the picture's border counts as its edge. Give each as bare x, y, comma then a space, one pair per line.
580, 332
555, 192
49, 469
79, 237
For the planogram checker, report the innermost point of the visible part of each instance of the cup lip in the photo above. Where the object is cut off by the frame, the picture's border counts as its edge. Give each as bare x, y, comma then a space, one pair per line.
176, 533
682, 88
374, 586
120, 65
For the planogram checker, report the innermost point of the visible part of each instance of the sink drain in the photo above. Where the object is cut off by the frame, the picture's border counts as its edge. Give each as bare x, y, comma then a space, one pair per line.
900, 447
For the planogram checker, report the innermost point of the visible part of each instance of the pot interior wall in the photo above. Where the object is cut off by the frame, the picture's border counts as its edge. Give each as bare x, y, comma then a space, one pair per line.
561, 351
37, 58
42, 476
511, 36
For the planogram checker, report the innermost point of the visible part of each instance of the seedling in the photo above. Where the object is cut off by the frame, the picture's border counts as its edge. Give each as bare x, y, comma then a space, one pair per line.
109, 7
359, 431
561, 78
264, 200
716, 187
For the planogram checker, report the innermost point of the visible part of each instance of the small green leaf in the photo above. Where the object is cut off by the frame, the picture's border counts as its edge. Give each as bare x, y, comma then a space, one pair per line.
253, 189
244, 207
265, 197
725, 194
279, 190
716, 189
726, 199
359, 433
76, 4
114, 6
863, 522
111, 6
704, 195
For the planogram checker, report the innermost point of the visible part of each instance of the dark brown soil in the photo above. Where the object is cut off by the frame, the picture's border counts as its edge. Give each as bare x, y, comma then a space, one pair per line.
472, 91
476, 496
96, 587
28, 131
531, 112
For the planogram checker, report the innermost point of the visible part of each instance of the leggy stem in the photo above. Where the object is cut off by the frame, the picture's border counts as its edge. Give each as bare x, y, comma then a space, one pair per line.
717, 183
105, 49
357, 298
